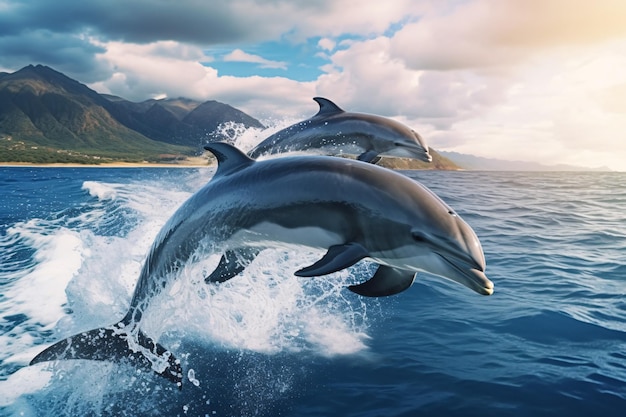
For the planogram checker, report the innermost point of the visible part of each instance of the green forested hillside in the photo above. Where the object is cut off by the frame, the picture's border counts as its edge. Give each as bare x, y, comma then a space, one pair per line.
46, 115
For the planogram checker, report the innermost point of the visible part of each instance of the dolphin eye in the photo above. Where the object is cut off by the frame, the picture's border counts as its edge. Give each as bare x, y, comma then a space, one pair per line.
452, 213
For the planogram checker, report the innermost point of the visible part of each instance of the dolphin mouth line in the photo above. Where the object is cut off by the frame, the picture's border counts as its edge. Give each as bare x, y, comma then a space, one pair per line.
417, 149
479, 286
411, 146
468, 261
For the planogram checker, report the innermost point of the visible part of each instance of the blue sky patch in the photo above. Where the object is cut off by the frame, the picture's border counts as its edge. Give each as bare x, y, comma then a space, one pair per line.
297, 61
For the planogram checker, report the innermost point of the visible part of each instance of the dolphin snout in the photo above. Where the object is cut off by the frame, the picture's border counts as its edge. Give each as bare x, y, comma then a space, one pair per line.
480, 283
460, 254
473, 278
426, 156
416, 150
472, 260
421, 143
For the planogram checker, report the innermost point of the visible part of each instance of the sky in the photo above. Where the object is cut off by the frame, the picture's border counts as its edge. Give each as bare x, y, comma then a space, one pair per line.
531, 80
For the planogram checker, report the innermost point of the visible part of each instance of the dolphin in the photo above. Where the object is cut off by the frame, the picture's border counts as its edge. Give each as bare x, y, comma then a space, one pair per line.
335, 131
352, 209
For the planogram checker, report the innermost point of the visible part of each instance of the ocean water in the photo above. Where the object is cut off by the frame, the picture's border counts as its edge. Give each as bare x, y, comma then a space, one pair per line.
551, 340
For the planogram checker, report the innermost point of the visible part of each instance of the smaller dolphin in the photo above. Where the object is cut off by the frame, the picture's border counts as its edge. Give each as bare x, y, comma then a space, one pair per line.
334, 131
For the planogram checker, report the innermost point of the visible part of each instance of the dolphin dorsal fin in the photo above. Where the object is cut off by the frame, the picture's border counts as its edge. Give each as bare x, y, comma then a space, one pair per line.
327, 107
229, 158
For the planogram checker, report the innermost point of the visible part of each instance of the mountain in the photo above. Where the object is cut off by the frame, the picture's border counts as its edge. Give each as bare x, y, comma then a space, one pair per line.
42, 110
180, 121
471, 162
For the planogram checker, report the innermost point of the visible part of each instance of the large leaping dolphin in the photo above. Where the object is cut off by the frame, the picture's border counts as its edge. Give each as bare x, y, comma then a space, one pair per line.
352, 209
334, 131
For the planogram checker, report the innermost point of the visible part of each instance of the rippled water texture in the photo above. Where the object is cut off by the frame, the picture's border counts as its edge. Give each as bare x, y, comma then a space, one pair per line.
551, 340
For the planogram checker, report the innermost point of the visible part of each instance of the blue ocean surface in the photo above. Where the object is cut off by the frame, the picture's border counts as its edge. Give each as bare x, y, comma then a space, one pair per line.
550, 341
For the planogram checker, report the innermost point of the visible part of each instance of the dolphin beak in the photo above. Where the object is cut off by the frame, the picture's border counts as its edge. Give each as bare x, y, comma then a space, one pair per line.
480, 283
420, 152
473, 278
425, 155
463, 262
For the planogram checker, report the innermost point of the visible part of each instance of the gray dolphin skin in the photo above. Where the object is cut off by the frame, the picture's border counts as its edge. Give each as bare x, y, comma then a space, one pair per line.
351, 209
334, 131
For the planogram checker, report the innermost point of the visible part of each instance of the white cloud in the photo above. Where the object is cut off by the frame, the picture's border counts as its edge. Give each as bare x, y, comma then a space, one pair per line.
240, 56
551, 111
142, 71
263, 97
368, 77
333, 18
327, 44
493, 33
497, 79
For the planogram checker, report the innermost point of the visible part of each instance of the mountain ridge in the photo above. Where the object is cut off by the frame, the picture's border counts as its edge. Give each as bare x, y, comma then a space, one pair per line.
43, 111
475, 163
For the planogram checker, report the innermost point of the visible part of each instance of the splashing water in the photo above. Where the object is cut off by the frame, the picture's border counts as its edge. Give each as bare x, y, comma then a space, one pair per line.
247, 138
80, 274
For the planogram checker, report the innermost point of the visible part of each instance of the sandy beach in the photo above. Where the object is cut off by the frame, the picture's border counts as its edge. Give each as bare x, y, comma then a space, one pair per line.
191, 162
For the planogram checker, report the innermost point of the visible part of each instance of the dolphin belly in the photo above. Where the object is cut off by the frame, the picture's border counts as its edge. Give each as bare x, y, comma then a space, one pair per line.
243, 246
311, 236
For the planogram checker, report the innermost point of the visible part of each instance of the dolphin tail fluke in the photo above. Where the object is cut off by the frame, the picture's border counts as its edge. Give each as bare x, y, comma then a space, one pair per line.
114, 344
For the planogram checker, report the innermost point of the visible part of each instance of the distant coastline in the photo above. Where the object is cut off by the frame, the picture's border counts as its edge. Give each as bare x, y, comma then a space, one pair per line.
190, 162
112, 165
206, 162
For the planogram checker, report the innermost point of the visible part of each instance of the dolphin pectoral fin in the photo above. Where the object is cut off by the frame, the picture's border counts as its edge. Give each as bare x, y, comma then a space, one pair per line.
232, 263
113, 344
369, 156
386, 281
337, 258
